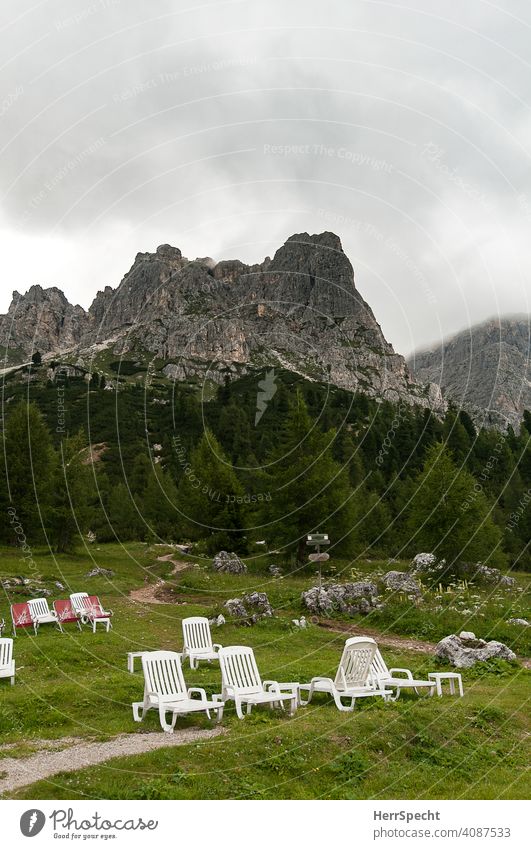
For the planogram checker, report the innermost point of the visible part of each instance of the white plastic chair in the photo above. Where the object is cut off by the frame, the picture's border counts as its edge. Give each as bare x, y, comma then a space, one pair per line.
7, 664
42, 615
352, 679
165, 690
380, 675
241, 682
90, 611
197, 639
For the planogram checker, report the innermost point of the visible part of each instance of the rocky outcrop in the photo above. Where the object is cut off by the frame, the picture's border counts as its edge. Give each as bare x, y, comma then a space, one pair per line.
225, 562
465, 650
490, 575
402, 582
350, 598
486, 369
300, 310
251, 607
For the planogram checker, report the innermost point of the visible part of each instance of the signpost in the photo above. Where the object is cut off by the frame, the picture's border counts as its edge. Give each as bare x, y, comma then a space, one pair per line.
318, 556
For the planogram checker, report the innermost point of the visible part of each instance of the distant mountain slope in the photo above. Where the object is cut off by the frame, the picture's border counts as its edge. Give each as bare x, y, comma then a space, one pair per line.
485, 369
300, 311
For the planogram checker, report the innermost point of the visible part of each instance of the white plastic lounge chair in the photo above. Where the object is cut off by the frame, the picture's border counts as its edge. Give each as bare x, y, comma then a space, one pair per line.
352, 679
241, 682
2, 626
7, 664
380, 675
90, 610
165, 690
42, 615
198, 643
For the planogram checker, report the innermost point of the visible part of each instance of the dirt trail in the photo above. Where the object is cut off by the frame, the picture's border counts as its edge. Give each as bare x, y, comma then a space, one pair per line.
149, 594
17, 772
395, 642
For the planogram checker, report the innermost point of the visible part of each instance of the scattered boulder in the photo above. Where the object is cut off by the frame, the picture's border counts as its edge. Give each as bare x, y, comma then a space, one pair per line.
465, 650
402, 582
522, 622
276, 571
423, 563
98, 571
218, 621
350, 598
252, 607
228, 562
300, 623
491, 576
235, 607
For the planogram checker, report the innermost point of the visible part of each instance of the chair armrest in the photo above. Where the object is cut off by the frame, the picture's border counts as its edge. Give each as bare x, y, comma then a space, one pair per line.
199, 690
153, 696
217, 646
322, 678
407, 672
271, 686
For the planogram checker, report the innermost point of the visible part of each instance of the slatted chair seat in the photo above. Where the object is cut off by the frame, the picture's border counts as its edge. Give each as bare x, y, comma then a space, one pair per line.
241, 682
90, 610
197, 640
7, 664
65, 612
21, 616
381, 675
352, 679
41, 614
165, 690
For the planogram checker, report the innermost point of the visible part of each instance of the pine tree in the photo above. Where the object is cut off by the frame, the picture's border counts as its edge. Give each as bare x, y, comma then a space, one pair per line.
310, 492
73, 493
211, 499
450, 516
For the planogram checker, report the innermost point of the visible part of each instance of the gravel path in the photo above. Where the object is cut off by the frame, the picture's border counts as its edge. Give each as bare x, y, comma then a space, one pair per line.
17, 772
149, 594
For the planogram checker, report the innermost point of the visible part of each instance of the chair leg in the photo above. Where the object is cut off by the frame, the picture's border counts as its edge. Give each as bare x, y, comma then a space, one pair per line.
339, 703
460, 685
238, 706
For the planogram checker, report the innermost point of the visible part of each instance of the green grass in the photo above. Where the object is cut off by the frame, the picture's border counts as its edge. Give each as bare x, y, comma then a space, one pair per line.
77, 685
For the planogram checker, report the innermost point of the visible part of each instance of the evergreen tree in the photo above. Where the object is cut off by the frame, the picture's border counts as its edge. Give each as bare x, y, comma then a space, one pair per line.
450, 516
211, 498
309, 490
73, 492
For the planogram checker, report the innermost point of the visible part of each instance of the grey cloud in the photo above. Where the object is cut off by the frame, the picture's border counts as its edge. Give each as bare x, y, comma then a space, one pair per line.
226, 127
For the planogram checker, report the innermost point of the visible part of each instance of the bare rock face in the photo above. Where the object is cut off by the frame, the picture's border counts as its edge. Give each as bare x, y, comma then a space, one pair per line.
465, 650
235, 607
402, 582
350, 598
225, 562
258, 603
485, 369
300, 310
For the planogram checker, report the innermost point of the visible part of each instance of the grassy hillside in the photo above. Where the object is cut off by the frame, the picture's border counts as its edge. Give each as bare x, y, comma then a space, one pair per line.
77, 685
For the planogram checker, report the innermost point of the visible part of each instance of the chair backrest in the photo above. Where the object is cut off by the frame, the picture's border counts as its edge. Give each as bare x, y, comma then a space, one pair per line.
6, 652
355, 664
379, 670
80, 602
163, 675
64, 610
39, 607
21, 615
196, 633
239, 670
96, 608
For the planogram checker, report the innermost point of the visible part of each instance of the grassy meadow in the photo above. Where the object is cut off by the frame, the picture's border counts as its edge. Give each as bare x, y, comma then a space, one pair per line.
77, 685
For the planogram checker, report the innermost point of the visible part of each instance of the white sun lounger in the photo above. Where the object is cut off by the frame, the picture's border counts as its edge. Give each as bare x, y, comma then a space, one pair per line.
198, 643
7, 664
241, 682
165, 690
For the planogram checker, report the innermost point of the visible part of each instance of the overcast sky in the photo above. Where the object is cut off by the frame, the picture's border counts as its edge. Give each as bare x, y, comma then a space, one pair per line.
223, 128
